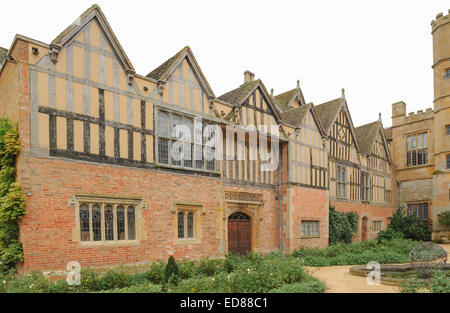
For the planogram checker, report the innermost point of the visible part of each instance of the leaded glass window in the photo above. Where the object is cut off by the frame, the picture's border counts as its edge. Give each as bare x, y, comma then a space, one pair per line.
97, 222
131, 223
120, 223
417, 149
180, 142
107, 222
84, 222
310, 228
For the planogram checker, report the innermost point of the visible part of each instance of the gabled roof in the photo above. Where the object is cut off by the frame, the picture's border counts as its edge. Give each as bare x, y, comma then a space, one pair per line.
3, 53
285, 99
327, 112
94, 12
366, 135
159, 72
295, 116
239, 95
163, 72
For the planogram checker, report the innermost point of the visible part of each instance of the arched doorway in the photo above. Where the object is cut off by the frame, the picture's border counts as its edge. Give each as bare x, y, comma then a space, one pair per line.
239, 233
363, 229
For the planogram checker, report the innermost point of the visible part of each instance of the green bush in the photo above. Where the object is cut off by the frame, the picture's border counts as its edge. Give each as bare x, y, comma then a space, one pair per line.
444, 219
381, 251
410, 226
12, 204
309, 286
139, 288
439, 283
115, 279
389, 234
171, 272
156, 272
342, 226
208, 267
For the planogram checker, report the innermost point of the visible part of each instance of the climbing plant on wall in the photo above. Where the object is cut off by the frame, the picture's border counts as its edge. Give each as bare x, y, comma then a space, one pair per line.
342, 226
12, 204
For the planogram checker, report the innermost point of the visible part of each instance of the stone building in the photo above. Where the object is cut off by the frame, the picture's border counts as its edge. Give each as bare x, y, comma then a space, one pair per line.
421, 141
109, 178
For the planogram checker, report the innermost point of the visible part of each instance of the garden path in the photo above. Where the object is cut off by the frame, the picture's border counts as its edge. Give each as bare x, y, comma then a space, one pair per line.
338, 279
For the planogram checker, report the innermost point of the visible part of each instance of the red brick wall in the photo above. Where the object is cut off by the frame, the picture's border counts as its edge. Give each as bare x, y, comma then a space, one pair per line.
308, 204
48, 229
372, 212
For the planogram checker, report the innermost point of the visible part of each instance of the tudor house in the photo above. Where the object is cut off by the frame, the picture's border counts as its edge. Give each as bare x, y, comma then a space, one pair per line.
107, 182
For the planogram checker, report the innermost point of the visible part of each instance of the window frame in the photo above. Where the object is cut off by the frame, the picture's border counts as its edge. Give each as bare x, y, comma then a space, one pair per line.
365, 187
377, 225
412, 149
115, 203
186, 209
341, 182
306, 234
410, 208
205, 164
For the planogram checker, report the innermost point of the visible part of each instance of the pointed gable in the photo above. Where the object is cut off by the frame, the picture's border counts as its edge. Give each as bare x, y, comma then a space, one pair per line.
370, 133
329, 112
286, 99
94, 13
241, 96
296, 116
163, 72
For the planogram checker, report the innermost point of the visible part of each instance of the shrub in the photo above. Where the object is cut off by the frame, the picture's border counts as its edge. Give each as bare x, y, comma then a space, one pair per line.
12, 204
410, 226
342, 226
115, 279
389, 234
311, 285
208, 267
155, 273
90, 280
382, 251
140, 288
439, 283
444, 219
171, 272
187, 268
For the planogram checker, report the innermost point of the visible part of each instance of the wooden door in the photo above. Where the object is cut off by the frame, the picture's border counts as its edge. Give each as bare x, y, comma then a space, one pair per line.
363, 229
239, 234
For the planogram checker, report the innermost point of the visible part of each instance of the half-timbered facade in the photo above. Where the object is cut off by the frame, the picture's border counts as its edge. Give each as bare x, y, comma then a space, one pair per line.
360, 167
122, 168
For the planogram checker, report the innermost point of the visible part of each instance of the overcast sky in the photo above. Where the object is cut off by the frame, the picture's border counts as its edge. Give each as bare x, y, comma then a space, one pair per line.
379, 51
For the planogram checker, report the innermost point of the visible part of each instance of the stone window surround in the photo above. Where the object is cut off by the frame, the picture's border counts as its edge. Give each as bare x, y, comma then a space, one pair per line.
309, 236
427, 148
137, 203
199, 211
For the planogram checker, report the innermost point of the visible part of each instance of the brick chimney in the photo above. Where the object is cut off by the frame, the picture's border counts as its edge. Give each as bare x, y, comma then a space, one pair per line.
248, 77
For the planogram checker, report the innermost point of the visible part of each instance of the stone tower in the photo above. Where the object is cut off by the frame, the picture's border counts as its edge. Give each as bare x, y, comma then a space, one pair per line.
441, 69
